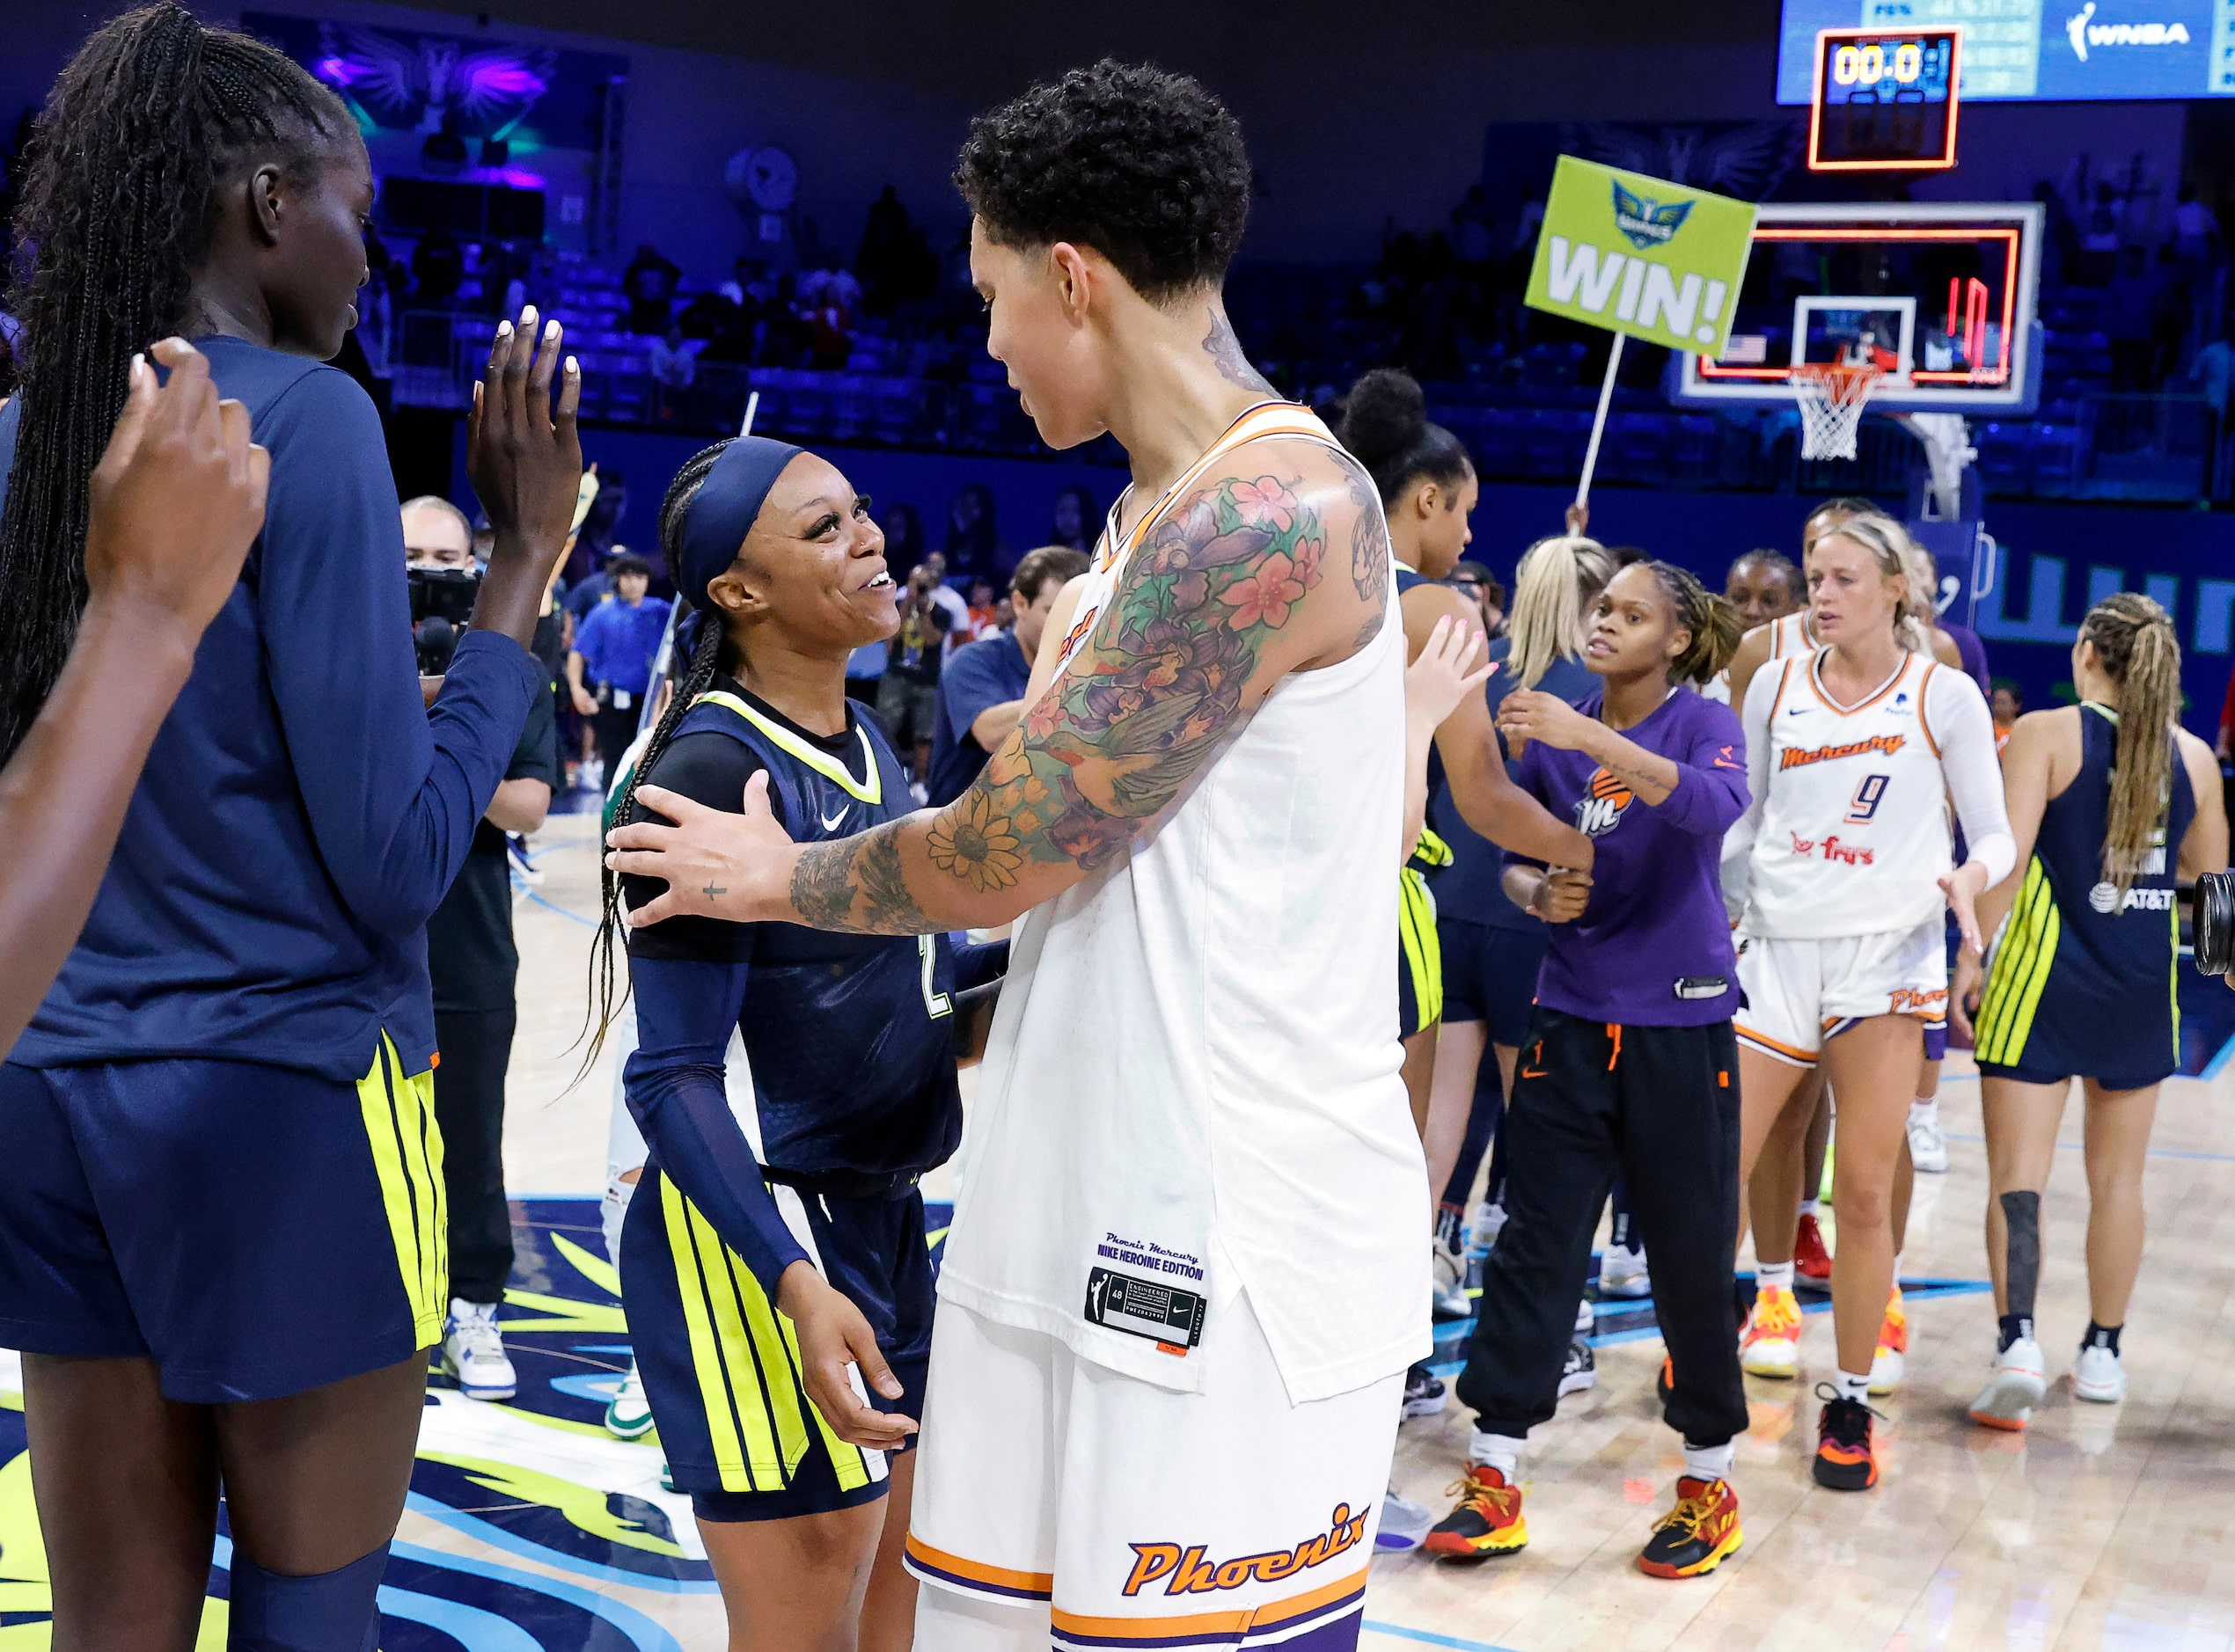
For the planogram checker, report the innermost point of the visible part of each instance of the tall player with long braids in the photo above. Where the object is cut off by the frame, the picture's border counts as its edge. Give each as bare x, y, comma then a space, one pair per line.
1138, 1399
1844, 865
2111, 801
233, 1070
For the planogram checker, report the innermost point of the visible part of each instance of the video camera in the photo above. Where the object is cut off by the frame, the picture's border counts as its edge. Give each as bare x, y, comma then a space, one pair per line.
2212, 912
442, 601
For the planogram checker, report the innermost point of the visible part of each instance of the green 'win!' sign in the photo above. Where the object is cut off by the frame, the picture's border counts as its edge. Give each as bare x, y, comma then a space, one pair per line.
1640, 256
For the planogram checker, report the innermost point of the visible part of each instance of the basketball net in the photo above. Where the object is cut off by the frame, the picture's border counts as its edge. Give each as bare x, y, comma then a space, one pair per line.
1832, 396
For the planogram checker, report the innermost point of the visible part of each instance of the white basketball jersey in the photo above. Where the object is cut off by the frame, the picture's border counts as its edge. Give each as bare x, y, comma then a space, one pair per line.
1191, 1086
1854, 835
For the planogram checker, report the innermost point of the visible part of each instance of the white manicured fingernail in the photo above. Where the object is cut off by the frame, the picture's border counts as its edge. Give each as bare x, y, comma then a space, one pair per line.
572, 366
139, 366
503, 329
551, 329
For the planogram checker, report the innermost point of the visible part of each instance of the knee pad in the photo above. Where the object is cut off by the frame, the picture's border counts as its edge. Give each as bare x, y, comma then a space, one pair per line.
330, 1612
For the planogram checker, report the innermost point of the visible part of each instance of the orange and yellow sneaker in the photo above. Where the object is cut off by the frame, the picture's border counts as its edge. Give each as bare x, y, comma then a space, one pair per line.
1845, 1458
1770, 1344
1811, 1262
1887, 1363
1698, 1535
1486, 1522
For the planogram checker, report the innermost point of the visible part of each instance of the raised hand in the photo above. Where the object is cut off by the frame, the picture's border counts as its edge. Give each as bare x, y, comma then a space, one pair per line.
1531, 714
524, 459
178, 497
1436, 681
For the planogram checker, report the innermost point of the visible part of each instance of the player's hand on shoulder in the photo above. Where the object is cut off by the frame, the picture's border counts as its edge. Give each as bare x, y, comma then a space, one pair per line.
833, 1334
714, 864
178, 496
1447, 670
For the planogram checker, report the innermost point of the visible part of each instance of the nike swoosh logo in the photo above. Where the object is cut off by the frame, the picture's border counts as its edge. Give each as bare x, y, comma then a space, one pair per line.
831, 824
1532, 1072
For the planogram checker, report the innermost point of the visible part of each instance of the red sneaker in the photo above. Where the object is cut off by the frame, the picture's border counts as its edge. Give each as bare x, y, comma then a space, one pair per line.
1486, 1522
1698, 1535
1811, 1262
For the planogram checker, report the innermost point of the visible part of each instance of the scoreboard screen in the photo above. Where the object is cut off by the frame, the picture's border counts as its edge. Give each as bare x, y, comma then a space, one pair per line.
1885, 99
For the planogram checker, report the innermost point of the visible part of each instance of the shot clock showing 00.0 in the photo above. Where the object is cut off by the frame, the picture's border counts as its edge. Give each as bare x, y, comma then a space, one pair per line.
1885, 100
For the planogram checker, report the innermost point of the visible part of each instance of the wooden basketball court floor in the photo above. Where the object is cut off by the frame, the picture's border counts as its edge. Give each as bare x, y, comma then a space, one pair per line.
531, 1530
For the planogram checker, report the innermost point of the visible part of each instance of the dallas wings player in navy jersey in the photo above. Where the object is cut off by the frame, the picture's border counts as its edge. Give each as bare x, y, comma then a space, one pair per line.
777, 1237
2111, 801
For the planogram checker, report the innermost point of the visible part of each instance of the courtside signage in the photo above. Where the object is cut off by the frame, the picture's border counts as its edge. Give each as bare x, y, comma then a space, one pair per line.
1640, 256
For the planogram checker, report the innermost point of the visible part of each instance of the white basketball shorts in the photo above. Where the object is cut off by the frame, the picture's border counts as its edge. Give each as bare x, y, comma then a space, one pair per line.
1798, 993
1059, 1503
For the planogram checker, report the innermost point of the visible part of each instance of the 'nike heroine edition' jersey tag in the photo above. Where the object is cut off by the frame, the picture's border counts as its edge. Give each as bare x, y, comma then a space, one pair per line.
1165, 1314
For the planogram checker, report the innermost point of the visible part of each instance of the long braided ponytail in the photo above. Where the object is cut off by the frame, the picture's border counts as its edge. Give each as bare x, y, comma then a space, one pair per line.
2135, 645
140, 131
696, 677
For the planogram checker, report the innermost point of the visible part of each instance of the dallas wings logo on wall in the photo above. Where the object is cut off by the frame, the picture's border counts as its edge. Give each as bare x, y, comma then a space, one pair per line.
1648, 223
426, 83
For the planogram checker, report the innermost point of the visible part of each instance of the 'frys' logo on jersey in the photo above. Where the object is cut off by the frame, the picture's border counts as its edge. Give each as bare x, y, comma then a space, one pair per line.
1599, 810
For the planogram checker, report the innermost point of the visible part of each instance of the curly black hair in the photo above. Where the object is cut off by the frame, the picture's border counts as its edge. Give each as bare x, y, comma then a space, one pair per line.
1144, 167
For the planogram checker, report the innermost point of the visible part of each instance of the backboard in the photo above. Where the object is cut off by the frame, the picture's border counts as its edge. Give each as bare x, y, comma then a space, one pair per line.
1941, 295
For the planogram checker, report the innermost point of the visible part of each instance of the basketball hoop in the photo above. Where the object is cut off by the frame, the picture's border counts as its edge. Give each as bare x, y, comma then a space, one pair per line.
1832, 396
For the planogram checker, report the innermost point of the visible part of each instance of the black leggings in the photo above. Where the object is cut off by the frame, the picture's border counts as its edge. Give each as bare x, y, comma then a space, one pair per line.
469, 1105
1661, 1106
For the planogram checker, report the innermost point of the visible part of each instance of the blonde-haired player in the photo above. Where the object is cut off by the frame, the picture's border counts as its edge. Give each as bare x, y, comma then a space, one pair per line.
1843, 863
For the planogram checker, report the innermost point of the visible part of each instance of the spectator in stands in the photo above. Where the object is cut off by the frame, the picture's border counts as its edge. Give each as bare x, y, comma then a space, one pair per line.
981, 695
1078, 519
2132, 302
1471, 229
614, 648
2196, 230
437, 268
907, 695
980, 623
1477, 582
904, 541
974, 547
674, 359
2008, 705
596, 540
649, 283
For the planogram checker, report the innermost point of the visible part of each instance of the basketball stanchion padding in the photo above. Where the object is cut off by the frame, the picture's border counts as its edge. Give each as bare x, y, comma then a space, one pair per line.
1832, 396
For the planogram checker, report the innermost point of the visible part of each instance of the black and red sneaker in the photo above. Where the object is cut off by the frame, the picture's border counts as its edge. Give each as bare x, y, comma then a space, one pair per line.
1486, 1522
1698, 1534
1845, 1458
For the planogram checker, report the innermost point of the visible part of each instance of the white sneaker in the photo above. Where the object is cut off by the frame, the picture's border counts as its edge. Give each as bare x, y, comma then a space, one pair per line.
2020, 1379
1622, 1273
1451, 1300
1403, 1522
474, 1352
1580, 1370
629, 1413
1586, 1317
1490, 1221
1928, 1147
2100, 1376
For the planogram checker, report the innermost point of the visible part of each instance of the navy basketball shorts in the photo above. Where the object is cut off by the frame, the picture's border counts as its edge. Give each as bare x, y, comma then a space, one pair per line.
720, 1364
255, 1230
1419, 956
1489, 975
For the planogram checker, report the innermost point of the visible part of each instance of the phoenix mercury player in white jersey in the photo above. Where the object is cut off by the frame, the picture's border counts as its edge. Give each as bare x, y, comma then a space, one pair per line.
1184, 1279
1844, 861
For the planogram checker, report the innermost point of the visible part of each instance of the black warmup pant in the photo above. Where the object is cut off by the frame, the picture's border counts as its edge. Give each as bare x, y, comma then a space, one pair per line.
1661, 1106
469, 1105
615, 730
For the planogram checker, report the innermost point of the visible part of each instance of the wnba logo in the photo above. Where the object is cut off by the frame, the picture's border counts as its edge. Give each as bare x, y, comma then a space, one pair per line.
1601, 809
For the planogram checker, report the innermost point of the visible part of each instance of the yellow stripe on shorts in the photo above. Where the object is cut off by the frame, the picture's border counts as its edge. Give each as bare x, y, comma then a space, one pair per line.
851, 1467
407, 1147
756, 1419
2022, 963
1423, 947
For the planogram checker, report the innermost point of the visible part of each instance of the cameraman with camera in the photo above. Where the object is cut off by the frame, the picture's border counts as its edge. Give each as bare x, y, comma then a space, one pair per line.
471, 955
908, 693
616, 643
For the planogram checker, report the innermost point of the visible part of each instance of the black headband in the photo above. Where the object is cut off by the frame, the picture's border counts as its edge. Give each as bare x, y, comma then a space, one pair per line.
723, 510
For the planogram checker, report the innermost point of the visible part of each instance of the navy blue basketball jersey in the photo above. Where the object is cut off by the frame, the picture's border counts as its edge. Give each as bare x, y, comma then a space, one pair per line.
2082, 983
850, 1037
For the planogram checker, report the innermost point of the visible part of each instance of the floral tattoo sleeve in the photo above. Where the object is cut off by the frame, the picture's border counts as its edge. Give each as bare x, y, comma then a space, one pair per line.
1124, 729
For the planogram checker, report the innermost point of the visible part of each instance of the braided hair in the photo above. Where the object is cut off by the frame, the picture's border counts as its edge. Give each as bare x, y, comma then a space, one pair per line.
696, 677
1713, 622
2135, 645
142, 129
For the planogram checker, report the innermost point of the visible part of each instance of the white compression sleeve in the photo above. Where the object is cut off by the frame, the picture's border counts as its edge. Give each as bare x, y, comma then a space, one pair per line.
1965, 728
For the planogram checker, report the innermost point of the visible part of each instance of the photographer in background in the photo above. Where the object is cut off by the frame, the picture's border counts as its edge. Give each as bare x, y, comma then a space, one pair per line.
471, 955
615, 644
981, 693
908, 693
